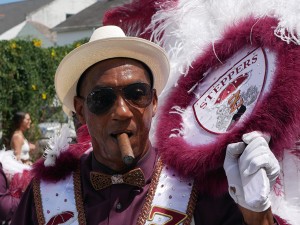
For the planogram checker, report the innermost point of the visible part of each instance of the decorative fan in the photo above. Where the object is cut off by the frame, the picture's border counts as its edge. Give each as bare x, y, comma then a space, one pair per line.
247, 81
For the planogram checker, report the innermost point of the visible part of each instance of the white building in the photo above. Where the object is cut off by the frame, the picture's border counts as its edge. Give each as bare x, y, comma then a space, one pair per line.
82, 24
35, 18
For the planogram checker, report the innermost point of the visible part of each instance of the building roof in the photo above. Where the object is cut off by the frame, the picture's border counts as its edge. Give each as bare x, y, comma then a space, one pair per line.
41, 28
12, 14
90, 17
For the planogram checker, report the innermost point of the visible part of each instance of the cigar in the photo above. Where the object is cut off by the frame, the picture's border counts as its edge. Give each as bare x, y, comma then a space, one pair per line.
125, 147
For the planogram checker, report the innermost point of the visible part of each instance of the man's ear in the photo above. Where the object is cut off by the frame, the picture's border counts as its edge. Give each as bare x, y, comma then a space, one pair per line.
154, 102
79, 108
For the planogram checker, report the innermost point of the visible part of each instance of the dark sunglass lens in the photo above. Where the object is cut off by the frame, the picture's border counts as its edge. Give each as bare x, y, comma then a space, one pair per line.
101, 100
138, 94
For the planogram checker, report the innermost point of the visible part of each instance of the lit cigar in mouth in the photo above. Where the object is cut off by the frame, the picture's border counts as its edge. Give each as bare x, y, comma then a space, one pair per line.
125, 147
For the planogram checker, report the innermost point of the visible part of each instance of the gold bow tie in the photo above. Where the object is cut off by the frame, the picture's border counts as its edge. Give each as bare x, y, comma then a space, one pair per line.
134, 177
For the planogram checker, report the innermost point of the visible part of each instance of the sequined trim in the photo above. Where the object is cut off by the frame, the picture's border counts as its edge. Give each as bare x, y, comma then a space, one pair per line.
78, 197
38, 202
150, 195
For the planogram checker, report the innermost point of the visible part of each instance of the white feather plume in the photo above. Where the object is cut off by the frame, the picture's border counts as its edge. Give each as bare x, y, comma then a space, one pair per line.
185, 30
56, 145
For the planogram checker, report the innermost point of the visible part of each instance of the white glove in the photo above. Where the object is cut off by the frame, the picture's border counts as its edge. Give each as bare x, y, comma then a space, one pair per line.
259, 169
250, 170
232, 171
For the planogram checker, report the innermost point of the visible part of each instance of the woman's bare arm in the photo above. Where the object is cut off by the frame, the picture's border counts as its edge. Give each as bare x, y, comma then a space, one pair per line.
17, 141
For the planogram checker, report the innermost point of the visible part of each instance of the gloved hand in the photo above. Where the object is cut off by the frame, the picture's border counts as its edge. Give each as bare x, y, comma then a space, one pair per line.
232, 170
259, 169
251, 169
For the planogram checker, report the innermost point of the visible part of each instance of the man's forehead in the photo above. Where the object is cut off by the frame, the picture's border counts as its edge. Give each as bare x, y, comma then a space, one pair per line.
98, 71
117, 68
115, 62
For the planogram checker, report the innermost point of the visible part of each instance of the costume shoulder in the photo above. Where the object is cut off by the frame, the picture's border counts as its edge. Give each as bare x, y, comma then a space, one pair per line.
61, 158
25, 209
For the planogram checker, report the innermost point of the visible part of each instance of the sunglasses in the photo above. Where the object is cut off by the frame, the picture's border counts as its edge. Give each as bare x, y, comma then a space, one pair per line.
101, 99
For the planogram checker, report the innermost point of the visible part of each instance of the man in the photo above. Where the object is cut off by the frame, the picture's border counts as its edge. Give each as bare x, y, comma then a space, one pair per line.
112, 83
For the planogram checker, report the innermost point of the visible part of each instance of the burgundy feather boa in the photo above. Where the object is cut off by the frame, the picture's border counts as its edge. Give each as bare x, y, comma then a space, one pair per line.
277, 114
135, 17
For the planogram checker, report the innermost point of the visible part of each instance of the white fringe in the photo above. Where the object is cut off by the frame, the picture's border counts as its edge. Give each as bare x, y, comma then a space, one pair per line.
177, 132
288, 36
177, 110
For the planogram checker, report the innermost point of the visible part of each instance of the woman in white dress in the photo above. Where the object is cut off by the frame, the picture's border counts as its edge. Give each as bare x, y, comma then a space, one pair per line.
19, 144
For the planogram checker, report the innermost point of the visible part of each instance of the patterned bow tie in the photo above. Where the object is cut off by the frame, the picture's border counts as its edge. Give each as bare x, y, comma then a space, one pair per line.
134, 177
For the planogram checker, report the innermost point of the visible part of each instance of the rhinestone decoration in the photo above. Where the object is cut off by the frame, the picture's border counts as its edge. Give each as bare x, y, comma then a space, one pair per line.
117, 179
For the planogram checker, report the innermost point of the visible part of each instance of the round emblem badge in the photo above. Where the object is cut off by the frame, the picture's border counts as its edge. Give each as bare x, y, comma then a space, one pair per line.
234, 89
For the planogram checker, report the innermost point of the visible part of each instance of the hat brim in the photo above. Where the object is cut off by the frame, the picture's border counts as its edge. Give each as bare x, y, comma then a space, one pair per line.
77, 61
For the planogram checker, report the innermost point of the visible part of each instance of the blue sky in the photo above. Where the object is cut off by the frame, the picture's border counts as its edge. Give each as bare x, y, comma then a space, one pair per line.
8, 1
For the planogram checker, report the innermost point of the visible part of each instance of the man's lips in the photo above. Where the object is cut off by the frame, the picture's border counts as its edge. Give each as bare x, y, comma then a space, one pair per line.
116, 133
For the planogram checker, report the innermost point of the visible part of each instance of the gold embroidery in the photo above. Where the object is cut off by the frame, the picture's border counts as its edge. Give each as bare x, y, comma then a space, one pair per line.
148, 201
150, 195
78, 197
191, 206
38, 202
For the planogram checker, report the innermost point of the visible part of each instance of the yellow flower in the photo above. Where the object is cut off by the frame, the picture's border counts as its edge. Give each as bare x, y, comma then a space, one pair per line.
77, 45
44, 96
13, 45
37, 43
53, 53
33, 87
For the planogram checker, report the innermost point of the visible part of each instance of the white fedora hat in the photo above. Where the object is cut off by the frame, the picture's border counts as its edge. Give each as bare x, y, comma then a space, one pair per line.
108, 42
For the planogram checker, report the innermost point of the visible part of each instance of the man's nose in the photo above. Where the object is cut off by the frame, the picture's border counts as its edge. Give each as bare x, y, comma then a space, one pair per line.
121, 109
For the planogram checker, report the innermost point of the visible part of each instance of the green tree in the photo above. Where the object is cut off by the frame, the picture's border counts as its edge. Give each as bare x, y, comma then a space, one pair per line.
27, 82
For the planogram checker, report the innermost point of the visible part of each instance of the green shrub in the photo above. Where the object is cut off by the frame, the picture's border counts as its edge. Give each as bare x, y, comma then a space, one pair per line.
27, 82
